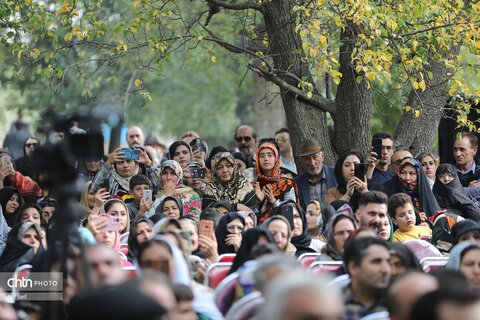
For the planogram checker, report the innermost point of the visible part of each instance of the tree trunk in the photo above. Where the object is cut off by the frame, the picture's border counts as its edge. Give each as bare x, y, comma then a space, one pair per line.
304, 121
418, 134
354, 103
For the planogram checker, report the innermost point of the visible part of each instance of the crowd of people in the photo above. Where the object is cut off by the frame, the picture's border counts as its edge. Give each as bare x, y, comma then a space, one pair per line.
154, 221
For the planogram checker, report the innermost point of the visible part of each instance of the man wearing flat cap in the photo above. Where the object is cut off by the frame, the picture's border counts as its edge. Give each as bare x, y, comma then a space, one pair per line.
318, 178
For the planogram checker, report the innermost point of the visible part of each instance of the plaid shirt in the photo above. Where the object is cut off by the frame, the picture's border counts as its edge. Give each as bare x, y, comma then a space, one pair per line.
318, 189
355, 310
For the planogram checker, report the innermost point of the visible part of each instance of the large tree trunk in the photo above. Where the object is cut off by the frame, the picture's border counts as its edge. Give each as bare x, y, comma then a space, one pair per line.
354, 103
304, 121
418, 134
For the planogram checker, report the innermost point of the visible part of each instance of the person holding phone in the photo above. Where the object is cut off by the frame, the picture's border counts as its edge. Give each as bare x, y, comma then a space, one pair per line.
379, 160
350, 186
271, 187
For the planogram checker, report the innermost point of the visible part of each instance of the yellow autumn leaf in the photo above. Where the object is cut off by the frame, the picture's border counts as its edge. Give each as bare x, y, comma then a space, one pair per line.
417, 113
336, 77
63, 9
422, 85
213, 59
309, 94
415, 85
408, 108
322, 38
138, 82
200, 37
370, 75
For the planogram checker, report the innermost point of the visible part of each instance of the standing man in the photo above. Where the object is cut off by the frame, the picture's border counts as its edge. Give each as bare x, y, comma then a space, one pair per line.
135, 137
464, 152
246, 139
381, 162
318, 178
367, 261
282, 137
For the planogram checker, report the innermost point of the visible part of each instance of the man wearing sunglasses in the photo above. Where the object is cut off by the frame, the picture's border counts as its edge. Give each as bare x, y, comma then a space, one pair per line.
246, 139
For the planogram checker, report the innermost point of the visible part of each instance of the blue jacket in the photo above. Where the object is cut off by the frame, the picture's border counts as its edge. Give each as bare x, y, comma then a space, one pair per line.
303, 185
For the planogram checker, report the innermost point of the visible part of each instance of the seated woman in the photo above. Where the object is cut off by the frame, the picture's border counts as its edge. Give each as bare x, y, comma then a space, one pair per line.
412, 180
429, 166
451, 195
229, 185
281, 231
169, 184
23, 243
338, 230
229, 233
349, 187
318, 215
140, 231
117, 171
465, 257
271, 187
117, 208
111, 238
171, 207
300, 237
11, 201
250, 239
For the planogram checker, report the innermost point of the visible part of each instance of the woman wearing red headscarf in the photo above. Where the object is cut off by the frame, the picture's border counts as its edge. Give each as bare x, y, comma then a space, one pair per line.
271, 187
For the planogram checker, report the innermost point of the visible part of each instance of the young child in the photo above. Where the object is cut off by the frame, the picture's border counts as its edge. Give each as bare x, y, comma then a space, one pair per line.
138, 184
401, 210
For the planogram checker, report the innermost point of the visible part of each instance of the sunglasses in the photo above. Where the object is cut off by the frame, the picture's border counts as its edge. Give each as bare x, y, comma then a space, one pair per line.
246, 139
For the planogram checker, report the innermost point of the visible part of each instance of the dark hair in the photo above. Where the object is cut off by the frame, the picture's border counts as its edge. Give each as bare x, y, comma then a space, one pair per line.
282, 130
107, 205
31, 205
182, 292
240, 156
372, 197
139, 179
150, 243
48, 202
341, 183
195, 141
471, 137
216, 150
382, 135
356, 249
175, 145
211, 214
427, 307
398, 200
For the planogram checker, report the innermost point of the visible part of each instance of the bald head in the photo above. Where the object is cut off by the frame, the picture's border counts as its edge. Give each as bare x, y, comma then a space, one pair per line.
135, 136
406, 291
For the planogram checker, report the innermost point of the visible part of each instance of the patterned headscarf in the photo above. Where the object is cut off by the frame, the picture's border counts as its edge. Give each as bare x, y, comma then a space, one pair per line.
234, 190
416, 165
175, 166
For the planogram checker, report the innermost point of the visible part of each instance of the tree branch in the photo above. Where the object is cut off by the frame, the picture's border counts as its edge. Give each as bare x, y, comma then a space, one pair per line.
237, 6
316, 101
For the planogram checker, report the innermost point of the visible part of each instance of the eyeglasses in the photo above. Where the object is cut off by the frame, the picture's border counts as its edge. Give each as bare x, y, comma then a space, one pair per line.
246, 139
32, 145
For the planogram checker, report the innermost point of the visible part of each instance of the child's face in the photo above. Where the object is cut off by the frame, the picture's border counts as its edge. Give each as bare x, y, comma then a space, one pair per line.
405, 217
137, 192
445, 178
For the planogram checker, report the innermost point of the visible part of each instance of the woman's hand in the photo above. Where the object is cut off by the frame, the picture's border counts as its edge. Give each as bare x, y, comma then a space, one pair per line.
96, 225
259, 192
115, 156
267, 190
101, 196
208, 247
169, 188
360, 185
234, 240
143, 157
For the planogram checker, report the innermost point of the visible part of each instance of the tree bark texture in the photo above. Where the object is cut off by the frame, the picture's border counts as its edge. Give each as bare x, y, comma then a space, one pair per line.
304, 121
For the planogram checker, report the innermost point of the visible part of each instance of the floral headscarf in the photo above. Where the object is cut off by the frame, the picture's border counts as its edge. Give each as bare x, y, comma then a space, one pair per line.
175, 166
415, 164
